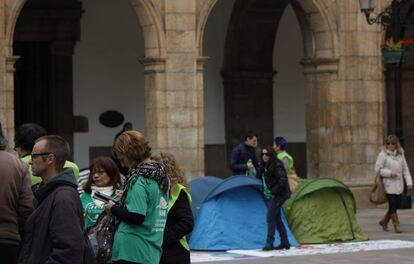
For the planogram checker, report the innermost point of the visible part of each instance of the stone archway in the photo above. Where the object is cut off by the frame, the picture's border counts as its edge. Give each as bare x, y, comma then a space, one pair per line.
249, 64
6, 94
150, 18
151, 21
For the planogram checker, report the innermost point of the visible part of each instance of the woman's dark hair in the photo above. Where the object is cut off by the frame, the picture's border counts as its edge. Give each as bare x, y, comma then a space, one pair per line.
109, 166
263, 166
271, 154
273, 162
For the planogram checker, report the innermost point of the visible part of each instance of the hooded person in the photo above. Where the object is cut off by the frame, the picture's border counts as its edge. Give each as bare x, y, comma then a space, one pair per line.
54, 231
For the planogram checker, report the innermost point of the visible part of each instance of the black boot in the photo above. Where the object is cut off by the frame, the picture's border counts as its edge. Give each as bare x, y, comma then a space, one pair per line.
283, 245
268, 247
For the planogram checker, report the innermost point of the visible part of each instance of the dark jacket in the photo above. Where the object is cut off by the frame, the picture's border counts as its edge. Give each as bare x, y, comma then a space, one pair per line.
54, 232
179, 223
239, 157
16, 198
277, 181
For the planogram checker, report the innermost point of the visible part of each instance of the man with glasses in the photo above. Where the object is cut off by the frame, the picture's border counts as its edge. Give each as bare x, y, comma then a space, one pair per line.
15, 202
54, 232
24, 140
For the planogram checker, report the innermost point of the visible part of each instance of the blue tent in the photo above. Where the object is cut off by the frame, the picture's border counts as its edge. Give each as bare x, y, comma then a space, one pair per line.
232, 215
203, 185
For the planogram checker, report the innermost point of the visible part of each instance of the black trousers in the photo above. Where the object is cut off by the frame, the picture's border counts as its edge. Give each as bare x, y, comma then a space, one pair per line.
9, 253
274, 220
394, 201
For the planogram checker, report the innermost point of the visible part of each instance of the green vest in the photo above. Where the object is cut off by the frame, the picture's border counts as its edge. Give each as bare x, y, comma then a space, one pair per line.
282, 155
175, 192
37, 179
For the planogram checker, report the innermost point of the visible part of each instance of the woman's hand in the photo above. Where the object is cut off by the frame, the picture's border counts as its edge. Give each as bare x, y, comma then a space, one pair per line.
108, 206
409, 187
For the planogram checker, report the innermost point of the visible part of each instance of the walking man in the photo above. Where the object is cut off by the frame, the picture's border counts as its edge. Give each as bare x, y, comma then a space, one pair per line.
54, 232
15, 202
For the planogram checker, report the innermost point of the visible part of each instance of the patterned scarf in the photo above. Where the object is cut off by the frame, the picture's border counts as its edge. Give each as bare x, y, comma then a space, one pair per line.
151, 170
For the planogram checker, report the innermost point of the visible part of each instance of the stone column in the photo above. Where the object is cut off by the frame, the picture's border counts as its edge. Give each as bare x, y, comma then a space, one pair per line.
345, 116
173, 95
7, 100
155, 103
183, 99
321, 75
200, 112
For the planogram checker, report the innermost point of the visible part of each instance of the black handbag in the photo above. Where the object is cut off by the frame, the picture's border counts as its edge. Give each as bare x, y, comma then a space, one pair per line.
406, 201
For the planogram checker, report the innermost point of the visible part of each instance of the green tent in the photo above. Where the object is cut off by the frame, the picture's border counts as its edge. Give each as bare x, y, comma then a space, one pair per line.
323, 211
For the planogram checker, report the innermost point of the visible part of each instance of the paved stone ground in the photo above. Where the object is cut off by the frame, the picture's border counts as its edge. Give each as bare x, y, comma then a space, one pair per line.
368, 219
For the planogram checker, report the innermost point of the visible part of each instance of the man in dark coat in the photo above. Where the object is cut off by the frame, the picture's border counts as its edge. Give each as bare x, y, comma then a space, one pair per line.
54, 232
243, 156
15, 202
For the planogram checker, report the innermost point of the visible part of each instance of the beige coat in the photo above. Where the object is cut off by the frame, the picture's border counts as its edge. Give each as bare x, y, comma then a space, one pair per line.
388, 163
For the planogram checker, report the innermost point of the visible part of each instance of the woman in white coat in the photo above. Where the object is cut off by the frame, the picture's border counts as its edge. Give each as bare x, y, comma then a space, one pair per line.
392, 167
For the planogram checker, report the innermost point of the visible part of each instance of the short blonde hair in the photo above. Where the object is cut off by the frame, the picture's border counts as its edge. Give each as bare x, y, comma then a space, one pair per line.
133, 145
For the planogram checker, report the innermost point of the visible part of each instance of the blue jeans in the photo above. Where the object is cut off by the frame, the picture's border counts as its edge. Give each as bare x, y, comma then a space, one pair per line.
274, 220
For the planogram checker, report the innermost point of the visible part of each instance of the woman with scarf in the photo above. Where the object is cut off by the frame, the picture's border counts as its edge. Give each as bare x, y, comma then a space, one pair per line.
104, 177
142, 213
392, 167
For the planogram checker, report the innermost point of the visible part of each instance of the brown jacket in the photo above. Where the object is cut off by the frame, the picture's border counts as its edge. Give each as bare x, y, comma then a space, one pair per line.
16, 197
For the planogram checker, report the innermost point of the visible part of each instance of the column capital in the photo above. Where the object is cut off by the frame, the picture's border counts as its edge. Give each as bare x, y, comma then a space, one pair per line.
320, 65
153, 64
201, 61
10, 61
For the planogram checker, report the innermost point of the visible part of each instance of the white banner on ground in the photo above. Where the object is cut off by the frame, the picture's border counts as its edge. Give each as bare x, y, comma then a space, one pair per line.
206, 256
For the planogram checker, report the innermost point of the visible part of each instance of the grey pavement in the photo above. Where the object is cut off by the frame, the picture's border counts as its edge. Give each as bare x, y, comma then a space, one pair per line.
368, 220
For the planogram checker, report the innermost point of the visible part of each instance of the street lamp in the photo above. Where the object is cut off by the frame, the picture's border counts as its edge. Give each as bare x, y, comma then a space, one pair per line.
391, 16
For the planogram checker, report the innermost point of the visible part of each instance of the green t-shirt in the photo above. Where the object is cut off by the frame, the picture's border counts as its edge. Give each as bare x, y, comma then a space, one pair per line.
142, 243
91, 211
37, 179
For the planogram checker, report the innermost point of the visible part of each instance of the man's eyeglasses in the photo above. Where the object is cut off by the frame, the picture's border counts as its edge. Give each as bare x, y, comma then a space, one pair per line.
34, 155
